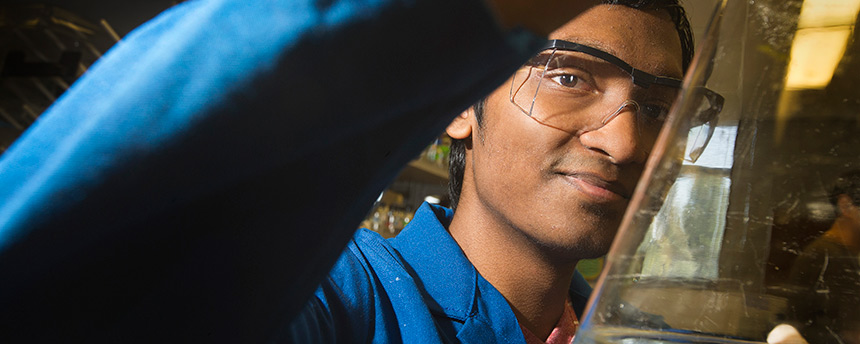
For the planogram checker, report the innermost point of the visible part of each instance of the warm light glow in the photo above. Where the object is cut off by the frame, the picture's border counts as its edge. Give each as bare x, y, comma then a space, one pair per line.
825, 13
815, 55
824, 27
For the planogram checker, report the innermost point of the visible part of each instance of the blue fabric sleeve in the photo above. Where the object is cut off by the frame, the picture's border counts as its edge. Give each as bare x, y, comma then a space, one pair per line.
349, 306
198, 182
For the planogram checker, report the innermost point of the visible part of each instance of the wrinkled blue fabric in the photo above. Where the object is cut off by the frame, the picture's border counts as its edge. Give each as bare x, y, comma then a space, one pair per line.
197, 183
418, 287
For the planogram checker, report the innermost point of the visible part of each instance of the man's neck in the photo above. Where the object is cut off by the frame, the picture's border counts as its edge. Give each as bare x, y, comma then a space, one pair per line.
533, 283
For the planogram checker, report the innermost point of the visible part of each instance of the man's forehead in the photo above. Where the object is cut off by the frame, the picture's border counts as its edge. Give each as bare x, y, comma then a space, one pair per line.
647, 40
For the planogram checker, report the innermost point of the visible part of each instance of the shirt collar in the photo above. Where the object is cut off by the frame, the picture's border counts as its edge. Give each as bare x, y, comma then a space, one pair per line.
423, 244
448, 277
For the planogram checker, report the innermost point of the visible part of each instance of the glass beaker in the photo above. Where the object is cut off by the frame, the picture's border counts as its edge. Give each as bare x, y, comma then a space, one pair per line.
751, 219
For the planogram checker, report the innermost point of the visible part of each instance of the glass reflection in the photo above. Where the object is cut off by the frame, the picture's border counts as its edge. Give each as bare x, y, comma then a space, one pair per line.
764, 228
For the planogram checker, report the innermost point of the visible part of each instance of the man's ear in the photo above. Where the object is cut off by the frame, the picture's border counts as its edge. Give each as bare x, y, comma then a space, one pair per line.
461, 127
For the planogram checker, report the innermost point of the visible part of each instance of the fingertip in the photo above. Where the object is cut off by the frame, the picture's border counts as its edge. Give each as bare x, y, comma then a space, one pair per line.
785, 334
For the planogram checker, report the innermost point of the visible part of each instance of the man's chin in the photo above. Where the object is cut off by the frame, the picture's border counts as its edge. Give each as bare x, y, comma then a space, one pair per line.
581, 247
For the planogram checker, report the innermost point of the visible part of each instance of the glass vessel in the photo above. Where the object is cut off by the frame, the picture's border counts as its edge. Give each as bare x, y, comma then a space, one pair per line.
763, 226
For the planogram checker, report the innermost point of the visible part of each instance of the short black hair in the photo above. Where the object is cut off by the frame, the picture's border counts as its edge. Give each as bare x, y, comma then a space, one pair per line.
457, 157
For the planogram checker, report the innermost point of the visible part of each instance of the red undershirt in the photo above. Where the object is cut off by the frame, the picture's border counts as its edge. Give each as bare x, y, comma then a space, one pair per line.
563, 332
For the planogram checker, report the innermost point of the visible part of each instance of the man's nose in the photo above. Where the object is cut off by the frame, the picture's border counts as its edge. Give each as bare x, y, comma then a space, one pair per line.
619, 136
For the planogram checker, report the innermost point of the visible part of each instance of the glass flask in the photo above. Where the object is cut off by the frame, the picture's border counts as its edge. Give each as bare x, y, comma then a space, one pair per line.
761, 226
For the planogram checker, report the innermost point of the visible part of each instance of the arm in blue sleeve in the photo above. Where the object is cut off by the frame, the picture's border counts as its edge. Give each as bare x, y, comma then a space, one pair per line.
198, 182
346, 307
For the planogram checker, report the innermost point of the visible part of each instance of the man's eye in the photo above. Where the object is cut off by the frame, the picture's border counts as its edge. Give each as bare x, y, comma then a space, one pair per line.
570, 81
567, 80
654, 112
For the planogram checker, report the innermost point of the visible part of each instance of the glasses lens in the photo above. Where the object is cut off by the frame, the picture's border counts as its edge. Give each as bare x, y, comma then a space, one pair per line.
574, 91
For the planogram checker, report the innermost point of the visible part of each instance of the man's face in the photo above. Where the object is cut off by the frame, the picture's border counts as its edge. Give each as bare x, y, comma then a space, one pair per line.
567, 192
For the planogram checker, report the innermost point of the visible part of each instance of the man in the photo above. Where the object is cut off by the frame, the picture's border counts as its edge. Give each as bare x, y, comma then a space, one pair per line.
542, 175
540, 198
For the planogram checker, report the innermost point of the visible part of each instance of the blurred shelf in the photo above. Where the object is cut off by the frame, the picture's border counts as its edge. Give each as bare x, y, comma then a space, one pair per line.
425, 172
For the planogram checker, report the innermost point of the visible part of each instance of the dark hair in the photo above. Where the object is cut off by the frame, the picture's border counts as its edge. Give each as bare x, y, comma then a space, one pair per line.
457, 163
847, 184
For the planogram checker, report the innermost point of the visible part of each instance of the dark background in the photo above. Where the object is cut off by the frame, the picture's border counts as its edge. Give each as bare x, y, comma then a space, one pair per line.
123, 16
41, 56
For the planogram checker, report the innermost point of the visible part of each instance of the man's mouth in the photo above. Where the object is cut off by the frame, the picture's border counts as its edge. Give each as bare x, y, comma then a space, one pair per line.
596, 187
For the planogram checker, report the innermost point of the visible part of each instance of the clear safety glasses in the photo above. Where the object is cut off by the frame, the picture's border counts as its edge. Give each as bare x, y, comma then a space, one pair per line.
577, 88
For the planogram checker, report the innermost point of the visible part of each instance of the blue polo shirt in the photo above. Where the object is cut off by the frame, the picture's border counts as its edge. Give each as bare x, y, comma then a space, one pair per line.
418, 287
